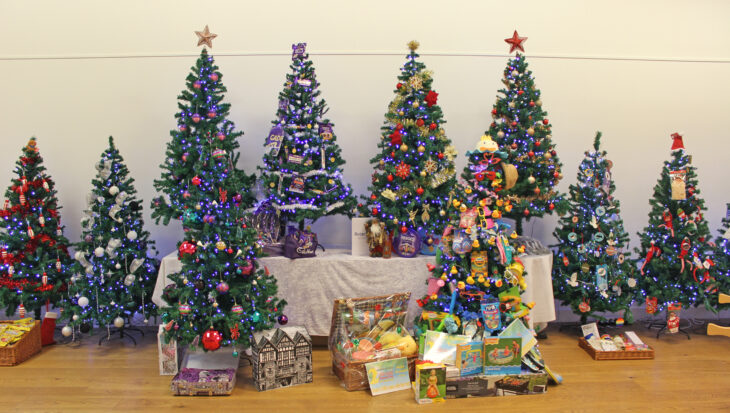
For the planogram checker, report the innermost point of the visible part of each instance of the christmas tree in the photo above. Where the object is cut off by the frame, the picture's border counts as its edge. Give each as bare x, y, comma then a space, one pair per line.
722, 256
521, 128
414, 171
302, 172
478, 261
35, 262
675, 261
222, 295
592, 272
113, 276
203, 133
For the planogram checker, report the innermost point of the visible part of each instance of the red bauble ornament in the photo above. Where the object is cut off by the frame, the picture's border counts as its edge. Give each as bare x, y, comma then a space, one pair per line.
399, 85
553, 153
531, 154
551, 206
187, 248
440, 155
212, 339
373, 197
195, 118
520, 92
212, 114
419, 122
494, 111
545, 121
390, 177
556, 174
514, 123
392, 154
195, 181
526, 212
537, 190
537, 143
419, 191
214, 77
532, 104
432, 126
403, 229
375, 211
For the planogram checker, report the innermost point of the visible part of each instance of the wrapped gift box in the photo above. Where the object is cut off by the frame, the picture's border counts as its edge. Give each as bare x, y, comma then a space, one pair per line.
203, 382
484, 385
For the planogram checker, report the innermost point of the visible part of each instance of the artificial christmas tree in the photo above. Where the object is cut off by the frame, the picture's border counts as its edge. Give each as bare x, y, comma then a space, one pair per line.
722, 261
675, 253
592, 271
222, 295
113, 275
521, 128
302, 172
33, 253
203, 134
478, 266
414, 171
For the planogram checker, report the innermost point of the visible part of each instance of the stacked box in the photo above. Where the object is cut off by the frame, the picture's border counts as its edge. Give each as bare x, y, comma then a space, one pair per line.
202, 382
496, 385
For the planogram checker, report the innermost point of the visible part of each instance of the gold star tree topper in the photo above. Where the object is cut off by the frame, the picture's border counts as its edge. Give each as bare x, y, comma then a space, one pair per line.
413, 45
206, 37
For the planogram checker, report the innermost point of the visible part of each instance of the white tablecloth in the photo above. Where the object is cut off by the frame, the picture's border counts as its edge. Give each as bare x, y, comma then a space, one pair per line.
310, 285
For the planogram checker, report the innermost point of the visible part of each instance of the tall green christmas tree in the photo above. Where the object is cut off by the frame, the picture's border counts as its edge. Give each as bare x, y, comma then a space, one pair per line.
302, 172
722, 262
222, 295
203, 133
414, 171
113, 275
675, 256
593, 273
521, 128
33, 256
478, 261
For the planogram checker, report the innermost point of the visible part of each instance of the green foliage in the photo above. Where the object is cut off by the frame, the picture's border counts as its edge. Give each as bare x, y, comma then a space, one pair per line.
203, 132
112, 270
414, 171
521, 128
221, 285
676, 238
591, 265
302, 173
31, 238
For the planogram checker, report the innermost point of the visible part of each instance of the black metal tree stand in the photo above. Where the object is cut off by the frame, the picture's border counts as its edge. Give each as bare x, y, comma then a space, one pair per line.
121, 333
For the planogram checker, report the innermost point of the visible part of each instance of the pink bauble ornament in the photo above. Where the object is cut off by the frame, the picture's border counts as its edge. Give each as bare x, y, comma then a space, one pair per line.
182, 128
222, 287
195, 118
237, 309
212, 114
440, 283
197, 85
213, 77
220, 136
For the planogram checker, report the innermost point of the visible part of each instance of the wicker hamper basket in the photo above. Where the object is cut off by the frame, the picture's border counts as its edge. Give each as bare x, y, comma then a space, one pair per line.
615, 355
352, 372
25, 348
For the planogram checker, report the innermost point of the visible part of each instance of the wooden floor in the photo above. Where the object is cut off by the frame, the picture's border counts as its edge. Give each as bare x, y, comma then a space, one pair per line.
686, 375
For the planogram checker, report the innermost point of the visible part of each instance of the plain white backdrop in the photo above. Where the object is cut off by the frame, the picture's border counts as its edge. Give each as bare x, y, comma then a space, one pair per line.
75, 72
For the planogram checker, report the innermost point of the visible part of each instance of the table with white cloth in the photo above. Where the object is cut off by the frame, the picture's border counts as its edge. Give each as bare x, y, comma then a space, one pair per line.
310, 285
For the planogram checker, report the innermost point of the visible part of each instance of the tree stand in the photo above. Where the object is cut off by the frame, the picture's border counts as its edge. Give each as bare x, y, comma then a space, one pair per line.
662, 325
714, 329
122, 334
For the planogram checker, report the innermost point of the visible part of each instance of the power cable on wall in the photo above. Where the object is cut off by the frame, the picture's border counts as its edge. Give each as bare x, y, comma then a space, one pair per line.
364, 53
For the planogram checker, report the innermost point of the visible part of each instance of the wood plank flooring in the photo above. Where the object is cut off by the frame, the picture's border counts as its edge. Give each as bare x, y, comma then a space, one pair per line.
686, 375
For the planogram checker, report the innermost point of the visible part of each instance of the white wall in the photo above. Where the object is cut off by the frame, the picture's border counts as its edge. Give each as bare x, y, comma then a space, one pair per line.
598, 65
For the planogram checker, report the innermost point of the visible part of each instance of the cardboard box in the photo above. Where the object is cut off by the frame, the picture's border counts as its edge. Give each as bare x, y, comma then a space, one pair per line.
281, 357
359, 239
168, 354
496, 385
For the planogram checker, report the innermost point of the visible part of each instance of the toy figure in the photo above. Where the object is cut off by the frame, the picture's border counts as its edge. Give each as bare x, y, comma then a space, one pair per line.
377, 237
432, 391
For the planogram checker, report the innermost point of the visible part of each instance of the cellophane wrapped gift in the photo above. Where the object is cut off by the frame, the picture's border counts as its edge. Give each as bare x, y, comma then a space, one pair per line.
369, 329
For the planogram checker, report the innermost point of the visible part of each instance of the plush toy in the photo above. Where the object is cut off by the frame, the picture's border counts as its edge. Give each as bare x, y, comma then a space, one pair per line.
377, 236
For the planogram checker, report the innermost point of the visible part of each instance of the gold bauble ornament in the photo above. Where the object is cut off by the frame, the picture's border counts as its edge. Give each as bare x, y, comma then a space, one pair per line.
404, 147
531, 179
198, 206
442, 212
415, 104
293, 150
422, 173
332, 159
538, 102
500, 134
220, 245
548, 155
272, 185
309, 126
401, 113
530, 131
382, 162
330, 181
421, 149
395, 221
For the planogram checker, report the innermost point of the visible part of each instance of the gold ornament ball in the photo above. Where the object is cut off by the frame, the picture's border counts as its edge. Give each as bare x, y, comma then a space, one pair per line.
538, 102
548, 155
531, 179
530, 131
404, 147
198, 206
442, 212
415, 104
421, 149
309, 126
500, 134
293, 150
330, 181
382, 162
332, 159
395, 221
272, 185
401, 113
423, 173
220, 245
215, 304
515, 73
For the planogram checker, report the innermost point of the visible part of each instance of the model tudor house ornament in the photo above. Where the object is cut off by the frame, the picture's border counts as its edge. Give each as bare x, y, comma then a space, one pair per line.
282, 357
